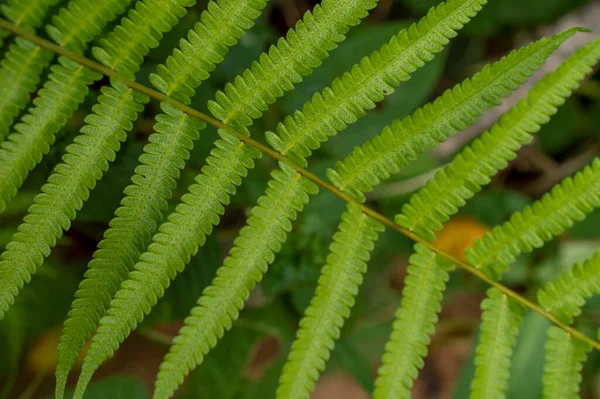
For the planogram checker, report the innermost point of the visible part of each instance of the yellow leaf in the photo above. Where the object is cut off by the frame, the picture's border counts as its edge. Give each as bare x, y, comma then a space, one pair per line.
458, 234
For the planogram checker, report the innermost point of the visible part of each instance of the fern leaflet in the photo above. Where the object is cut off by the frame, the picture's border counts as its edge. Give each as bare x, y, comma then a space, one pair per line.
73, 27
255, 247
371, 80
132, 228
499, 328
565, 356
569, 201
414, 324
23, 63
476, 164
324, 317
233, 157
67, 188
124, 49
457, 108
565, 296
62, 93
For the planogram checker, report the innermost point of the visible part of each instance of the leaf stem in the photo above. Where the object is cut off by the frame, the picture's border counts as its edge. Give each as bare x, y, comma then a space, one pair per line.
307, 174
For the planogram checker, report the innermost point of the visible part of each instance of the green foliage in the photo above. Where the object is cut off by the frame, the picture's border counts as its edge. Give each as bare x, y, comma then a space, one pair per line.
564, 361
334, 297
370, 81
24, 62
478, 163
414, 324
66, 88
500, 325
565, 296
141, 253
567, 203
459, 107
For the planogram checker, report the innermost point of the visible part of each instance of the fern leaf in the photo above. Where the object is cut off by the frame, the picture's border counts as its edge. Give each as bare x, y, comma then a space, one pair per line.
499, 329
33, 138
336, 290
565, 356
221, 26
277, 71
66, 88
28, 15
84, 163
252, 252
24, 62
155, 177
73, 27
414, 324
19, 76
124, 49
457, 108
371, 80
478, 163
568, 202
146, 199
319, 32
565, 296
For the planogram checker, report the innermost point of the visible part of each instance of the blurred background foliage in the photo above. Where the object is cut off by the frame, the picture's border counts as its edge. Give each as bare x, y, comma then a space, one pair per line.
247, 363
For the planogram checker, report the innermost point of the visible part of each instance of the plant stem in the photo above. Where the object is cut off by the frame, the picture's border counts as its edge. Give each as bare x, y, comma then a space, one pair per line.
307, 174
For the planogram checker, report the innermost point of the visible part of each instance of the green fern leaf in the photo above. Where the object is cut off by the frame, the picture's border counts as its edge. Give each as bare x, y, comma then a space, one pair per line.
568, 202
24, 62
192, 63
476, 164
324, 317
124, 49
73, 27
146, 199
252, 252
84, 163
27, 14
371, 80
565, 296
60, 97
415, 322
499, 329
307, 45
66, 88
457, 108
565, 356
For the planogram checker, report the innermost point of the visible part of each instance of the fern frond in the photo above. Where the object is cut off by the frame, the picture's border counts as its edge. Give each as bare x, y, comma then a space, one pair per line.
371, 80
565, 296
565, 356
253, 251
478, 163
24, 62
73, 27
66, 88
457, 108
33, 138
155, 178
303, 49
27, 14
567, 203
415, 322
338, 286
146, 199
84, 162
501, 320
124, 49
20, 73
231, 158
221, 26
